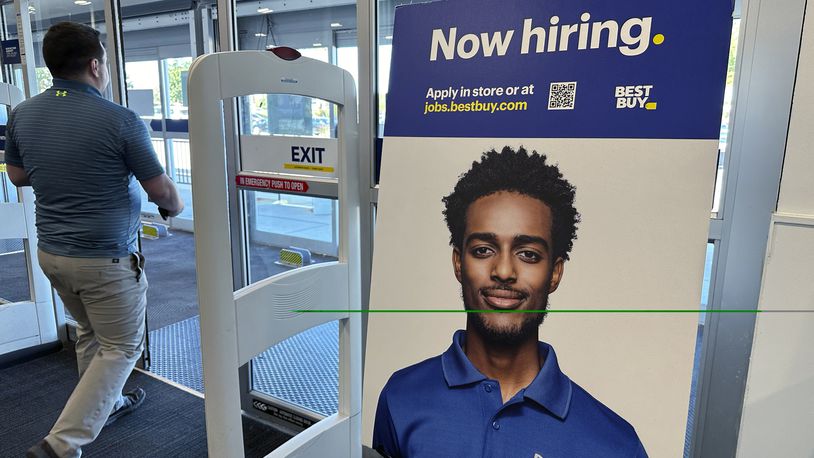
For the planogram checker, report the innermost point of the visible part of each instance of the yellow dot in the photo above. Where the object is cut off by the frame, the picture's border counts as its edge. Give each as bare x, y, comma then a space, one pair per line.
658, 39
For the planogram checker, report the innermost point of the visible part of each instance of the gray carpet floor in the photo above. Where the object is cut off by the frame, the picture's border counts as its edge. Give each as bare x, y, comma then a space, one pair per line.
170, 266
170, 423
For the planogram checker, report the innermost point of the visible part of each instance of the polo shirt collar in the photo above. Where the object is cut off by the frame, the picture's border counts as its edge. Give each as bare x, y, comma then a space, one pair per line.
76, 85
550, 388
458, 370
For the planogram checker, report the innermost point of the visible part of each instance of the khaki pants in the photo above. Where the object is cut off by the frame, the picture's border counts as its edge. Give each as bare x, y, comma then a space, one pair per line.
107, 297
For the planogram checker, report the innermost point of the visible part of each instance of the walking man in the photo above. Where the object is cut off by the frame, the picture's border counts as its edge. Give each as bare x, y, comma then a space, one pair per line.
83, 155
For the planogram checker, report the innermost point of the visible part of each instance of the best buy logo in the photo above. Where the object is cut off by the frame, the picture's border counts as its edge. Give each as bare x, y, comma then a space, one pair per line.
634, 97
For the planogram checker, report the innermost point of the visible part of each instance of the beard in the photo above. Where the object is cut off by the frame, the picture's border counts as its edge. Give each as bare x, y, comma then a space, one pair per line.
506, 336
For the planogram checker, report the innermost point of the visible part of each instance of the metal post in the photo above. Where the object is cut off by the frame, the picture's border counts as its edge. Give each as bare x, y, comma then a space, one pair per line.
366, 36
769, 50
164, 92
27, 55
115, 51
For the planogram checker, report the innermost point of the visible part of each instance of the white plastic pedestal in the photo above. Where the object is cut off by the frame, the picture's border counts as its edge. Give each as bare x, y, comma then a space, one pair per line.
238, 325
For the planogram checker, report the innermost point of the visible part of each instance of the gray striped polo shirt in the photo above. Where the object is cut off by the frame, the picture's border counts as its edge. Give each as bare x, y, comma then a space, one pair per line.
83, 155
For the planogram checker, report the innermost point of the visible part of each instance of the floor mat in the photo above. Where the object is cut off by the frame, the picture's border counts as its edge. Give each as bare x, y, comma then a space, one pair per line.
302, 370
169, 423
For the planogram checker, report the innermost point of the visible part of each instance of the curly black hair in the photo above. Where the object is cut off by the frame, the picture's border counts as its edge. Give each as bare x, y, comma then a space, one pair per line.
523, 173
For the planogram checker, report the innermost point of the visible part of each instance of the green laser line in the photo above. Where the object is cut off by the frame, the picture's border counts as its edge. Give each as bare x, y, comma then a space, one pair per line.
546, 311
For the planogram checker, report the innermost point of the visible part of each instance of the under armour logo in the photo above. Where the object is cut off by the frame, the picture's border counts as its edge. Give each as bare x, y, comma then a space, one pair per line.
62, 93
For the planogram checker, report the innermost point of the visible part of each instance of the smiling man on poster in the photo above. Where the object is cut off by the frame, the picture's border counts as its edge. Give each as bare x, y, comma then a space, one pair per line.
497, 390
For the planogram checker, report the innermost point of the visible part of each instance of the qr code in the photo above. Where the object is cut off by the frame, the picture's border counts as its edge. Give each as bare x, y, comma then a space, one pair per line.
561, 96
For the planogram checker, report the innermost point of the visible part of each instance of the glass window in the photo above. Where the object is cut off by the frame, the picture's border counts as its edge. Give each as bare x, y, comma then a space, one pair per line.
347, 58
159, 47
143, 88
287, 231
285, 114
326, 33
13, 73
8, 192
176, 71
14, 286
45, 13
696, 372
317, 52
725, 117
277, 221
160, 41
144, 97
385, 52
13, 269
289, 221
262, 25
384, 38
307, 364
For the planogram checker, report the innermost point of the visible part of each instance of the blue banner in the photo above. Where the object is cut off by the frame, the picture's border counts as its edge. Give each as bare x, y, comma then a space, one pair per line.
559, 69
11, 52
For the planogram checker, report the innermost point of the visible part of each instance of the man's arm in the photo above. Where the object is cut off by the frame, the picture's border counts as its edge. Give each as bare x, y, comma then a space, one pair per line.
162, 191
141, 159
17, 176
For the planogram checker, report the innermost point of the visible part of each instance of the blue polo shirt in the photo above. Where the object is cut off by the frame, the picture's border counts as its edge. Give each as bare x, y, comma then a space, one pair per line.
83, 155
444, 407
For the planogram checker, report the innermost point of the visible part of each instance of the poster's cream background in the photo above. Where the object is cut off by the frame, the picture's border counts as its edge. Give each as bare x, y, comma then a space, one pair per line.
641, 245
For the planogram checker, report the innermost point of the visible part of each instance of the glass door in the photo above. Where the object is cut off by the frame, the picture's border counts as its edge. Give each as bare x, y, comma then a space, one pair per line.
159, 45
286, 231
299, 376
12, 72
45, 13
156, 90
26, 29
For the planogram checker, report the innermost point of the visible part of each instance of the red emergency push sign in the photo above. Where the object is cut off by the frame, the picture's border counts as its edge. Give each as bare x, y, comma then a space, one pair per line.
272, 184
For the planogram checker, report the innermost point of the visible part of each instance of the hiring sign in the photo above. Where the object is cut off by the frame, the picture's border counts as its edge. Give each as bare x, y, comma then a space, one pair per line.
560, 144
588, 69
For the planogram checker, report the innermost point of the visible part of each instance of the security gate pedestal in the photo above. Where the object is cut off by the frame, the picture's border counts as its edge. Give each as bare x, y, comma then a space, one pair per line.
238, 325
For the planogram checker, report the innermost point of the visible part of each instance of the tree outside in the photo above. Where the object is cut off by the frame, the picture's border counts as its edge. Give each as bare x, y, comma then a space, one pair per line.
44, 80
177, 71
